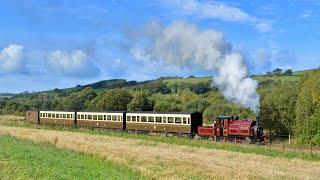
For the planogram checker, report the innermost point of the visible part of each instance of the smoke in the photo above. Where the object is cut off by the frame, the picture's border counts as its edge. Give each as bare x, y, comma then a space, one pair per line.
185, 44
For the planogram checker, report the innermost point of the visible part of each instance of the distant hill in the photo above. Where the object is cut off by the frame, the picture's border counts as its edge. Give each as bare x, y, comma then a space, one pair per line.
6, 95
169, 81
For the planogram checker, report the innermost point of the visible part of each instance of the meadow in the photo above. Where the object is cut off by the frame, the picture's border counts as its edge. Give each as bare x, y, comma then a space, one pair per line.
152, 160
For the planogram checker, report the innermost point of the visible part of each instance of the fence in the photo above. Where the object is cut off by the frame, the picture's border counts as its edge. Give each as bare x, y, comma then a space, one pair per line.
287, 142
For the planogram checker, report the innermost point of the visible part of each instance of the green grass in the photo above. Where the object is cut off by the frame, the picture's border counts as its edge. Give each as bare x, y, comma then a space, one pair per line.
23, 159
188, 80
254, 149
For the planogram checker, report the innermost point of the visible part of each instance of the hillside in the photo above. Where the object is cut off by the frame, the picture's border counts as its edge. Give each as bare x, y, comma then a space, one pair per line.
169, 81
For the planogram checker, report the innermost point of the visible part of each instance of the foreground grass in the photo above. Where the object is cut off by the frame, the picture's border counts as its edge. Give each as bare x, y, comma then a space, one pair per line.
156, 160
21, 159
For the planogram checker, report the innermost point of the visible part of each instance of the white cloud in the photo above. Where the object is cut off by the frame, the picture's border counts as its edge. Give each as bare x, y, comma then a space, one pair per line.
12, 59
305, 14
74, 63
218, 10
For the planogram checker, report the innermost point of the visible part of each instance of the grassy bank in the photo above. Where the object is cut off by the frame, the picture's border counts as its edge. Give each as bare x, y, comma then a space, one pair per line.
23, 159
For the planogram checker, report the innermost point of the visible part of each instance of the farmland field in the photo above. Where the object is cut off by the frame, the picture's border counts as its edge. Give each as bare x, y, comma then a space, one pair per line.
163, 160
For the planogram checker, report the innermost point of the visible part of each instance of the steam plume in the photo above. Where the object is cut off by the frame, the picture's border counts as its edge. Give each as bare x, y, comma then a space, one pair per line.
184, 44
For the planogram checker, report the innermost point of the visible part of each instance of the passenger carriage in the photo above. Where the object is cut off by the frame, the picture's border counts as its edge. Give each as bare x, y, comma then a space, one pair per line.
185, 123
57, 117
109, 120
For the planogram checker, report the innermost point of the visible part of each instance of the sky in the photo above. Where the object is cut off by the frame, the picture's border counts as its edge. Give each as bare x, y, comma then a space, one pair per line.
62, 43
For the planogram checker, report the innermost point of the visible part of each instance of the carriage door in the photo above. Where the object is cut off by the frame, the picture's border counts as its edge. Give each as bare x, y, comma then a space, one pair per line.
218, 127
225, 127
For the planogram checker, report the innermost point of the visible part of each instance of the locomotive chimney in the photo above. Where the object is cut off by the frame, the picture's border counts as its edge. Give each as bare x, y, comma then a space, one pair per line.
258, 120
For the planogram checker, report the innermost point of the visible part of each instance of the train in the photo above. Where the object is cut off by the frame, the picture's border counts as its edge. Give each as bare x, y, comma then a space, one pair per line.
191, 124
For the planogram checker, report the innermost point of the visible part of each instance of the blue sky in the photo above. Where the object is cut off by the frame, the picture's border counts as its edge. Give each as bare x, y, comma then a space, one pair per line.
55, 44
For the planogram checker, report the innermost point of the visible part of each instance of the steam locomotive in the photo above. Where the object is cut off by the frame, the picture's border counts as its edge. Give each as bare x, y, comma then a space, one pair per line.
231, 128
191, 124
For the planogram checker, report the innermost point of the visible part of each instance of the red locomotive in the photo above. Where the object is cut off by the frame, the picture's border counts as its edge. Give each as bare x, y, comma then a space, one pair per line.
231, 128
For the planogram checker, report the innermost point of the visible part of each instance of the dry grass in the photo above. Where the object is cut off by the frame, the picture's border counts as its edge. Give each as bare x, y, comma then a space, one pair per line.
165, 161
11, 118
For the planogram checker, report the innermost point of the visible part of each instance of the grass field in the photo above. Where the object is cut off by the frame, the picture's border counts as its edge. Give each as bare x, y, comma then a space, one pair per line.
159, 160
24, 159
188, 80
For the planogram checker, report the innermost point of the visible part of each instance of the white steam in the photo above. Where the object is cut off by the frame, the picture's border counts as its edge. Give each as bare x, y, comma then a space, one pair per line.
184, 44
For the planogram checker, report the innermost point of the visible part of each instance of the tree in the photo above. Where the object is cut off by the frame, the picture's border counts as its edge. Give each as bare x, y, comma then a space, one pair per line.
277, 72
165, 106
197, 105
114, 100
187, 96
308, 108
269, 73
277, 108
288, 72
141, 102
78, 100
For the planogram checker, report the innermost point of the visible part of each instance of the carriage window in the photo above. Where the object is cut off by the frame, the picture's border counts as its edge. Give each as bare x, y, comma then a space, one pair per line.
114, 118
68, 116
119, 118
177, 120
109, 117
46, 114
82, 116
133, 118
188, 120
78, 116
49, 115
99, 117
158, 120
94, 117
104, 117
128, 118
164, 119
90, 117
184, 120
170, 119
143, 118
71, 116
53, 115
138, 118
64, 116
150, 119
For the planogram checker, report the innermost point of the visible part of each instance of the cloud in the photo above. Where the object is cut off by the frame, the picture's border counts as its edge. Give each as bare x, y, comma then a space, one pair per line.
218, 10
12, 60
185, 45
74, 63
305, 14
